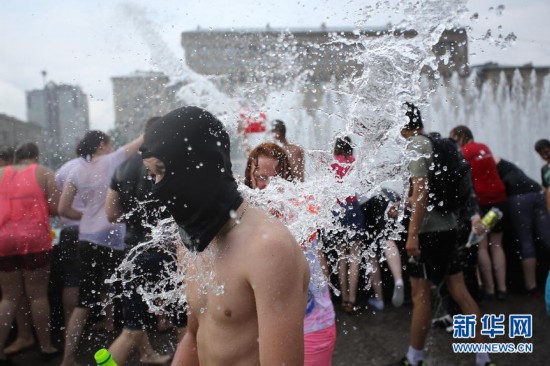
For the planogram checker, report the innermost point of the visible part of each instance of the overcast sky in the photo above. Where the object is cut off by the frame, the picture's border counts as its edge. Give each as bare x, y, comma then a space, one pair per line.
86, 42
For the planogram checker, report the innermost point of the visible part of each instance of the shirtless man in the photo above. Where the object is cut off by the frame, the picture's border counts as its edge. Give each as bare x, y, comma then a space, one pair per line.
246, 277
294, 152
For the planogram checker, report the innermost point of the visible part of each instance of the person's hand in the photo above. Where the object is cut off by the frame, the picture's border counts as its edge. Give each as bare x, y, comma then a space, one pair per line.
393, 211
477, 225
412, 246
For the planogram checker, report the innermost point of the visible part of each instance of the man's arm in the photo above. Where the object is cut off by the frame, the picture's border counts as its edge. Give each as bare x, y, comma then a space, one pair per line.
418, 202
279, 277
547, 195
186, 353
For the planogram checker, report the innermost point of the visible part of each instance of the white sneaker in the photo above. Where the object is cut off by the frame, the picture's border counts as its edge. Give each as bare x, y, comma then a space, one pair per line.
398, 295
377, 304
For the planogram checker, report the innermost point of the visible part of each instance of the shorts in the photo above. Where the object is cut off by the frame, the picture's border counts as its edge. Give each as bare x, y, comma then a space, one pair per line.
27, 262
437, 252
99, 264
502, 206
149, 269
319, 347
351, 220
65, 257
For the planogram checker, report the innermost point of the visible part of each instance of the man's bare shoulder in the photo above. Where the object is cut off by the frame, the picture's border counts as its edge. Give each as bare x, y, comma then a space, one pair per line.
294, 149
264, 230
268, 241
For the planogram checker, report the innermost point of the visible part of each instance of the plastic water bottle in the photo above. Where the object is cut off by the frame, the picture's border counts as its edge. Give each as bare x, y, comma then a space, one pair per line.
491, 218
103, 358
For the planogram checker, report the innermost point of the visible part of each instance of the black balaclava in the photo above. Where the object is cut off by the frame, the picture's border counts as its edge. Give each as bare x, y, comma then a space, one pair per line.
198, 187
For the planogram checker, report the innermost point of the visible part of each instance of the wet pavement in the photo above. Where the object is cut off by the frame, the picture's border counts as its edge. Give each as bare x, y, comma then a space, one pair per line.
375, 338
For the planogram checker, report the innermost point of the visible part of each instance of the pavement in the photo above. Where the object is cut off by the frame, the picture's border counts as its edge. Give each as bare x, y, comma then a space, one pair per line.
371, 337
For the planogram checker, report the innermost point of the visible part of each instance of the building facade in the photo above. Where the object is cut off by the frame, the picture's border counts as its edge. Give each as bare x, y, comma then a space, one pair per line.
137, 97
266, 59
62, 113
274, 55
14, 132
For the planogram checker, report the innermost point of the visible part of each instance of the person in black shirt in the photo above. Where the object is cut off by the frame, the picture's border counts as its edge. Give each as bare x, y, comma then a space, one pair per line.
129, 200
528, 216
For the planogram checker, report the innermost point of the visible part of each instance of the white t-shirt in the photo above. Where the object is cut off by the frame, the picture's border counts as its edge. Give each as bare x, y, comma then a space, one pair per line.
92, 179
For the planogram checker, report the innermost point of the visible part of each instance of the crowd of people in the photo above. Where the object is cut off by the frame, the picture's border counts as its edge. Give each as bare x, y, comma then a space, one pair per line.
272, 308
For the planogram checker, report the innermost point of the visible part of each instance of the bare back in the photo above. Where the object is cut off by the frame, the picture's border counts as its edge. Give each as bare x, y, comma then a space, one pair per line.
295, 156
251, 310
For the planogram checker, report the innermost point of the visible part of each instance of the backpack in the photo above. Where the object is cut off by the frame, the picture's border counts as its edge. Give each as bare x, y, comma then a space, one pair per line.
449, 179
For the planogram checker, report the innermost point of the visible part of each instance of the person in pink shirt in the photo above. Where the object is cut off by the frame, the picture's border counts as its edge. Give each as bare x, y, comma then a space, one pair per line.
28, 196
353, 222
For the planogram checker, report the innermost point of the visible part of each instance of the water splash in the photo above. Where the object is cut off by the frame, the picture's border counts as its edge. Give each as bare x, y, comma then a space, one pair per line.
366, 106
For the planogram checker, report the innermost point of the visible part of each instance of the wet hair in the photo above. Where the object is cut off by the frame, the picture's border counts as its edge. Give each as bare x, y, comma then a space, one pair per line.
342, 146
414, 118
7, 154
270, 150
541, 145
90, 143
279, 126
27, 150
462, 132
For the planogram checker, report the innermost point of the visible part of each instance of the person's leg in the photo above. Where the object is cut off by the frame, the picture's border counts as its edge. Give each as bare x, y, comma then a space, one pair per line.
90, 281
542, 220
529, 266
11, 284
485, 267
457, 288
522, 216
421, 319
36, 289
25, 337
74, 331
354, 264
394, 260
376, 279
499, 260
343, 273
148, 355
70, 301
394, 263
125, 344
422, 312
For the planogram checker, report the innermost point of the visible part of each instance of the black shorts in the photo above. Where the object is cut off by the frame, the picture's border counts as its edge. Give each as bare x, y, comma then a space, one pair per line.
65, 257
149, 268
27, 262
437, 252
98, 263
